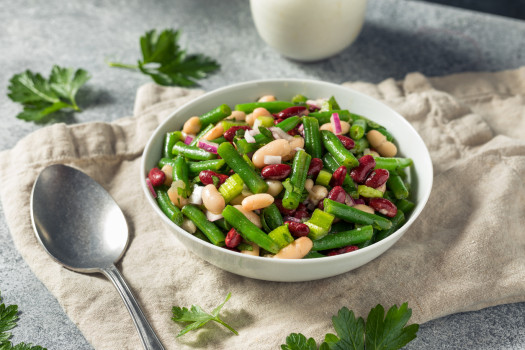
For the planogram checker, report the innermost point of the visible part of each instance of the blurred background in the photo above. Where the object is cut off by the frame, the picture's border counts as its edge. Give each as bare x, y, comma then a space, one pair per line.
507, 8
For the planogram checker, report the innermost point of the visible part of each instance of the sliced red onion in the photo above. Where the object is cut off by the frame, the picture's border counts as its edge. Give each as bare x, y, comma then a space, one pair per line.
313, 103
151, 189
358, 201
279, 133
208, 146
349, 200
300, 129
291, 218
213, 217
272, 160
196, 195
336, 123
189, 139
249, 137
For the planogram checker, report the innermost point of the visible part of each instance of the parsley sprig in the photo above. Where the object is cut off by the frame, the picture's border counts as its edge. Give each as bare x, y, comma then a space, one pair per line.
196, 317
378, 333
167, 63
42, 97
8, 318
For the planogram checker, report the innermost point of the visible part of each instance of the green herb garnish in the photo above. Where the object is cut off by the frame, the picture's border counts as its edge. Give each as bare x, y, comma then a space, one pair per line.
196, 317
42, 97
379, 332
167, 63
8, 318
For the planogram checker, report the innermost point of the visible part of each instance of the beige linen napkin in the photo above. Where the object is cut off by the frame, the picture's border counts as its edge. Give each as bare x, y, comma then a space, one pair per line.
465, 252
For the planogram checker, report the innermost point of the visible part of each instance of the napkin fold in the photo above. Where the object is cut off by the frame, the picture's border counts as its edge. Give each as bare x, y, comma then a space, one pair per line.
465, 252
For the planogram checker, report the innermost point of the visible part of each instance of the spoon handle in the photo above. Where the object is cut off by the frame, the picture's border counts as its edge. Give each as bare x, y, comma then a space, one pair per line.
146, 333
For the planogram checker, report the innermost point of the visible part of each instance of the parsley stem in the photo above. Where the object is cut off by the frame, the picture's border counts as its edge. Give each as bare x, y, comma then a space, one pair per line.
122, 65
226, 325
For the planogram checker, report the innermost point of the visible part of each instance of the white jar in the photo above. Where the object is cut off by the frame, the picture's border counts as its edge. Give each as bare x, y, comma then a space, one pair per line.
308, 30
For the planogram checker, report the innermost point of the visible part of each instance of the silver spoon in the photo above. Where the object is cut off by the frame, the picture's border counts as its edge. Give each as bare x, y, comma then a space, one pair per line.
80, 225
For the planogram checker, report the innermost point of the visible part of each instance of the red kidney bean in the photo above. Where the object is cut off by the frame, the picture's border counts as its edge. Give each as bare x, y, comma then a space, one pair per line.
316, 165
291, 218
384, 206
293, 132
287, 212
338, 176
277, 121
156, 176
346, 141
276, 171
301, 214
337, 194
377, 178
233, 239
230, 133
291, 111
358, 201
206, 177
347, 249
298, 229
366, 165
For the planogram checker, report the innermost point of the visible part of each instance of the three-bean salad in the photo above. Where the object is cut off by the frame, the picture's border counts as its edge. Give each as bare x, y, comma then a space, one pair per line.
284, 179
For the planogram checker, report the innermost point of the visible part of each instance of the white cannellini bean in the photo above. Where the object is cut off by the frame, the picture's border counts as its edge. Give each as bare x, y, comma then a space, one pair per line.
365, 208
173, 193
192, 126
188, 225
317, 193
275, 148
257, 201
274, 187
266, 98
168, 171
296, 250
212, 199
309, 184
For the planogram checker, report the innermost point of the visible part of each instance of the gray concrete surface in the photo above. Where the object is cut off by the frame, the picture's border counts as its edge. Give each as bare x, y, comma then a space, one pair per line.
398, 37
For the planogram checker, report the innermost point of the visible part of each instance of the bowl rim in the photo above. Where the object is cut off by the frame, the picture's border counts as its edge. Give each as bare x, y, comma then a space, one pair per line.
420, 205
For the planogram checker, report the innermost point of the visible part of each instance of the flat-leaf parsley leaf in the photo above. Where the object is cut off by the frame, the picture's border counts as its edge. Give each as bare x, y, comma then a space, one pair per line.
378, 333
167, 63
42, 97
8, 318
196, 317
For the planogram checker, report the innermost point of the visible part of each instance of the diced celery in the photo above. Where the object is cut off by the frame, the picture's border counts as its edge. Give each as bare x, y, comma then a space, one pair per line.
231, 188
369, 192
319, 224
281, 235
323, 178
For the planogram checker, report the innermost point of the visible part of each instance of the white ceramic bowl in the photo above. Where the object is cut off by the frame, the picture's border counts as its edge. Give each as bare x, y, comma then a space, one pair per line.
409, 143
308, 30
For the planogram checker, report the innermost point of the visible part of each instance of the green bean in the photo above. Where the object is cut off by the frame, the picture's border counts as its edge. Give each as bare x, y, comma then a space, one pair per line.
248, 230
324, 117
294, 185
397, 186
219, 140
169, 140
405, 205
289, 123
215, 115
392, 164
371, 124
223, 224
385, 132
192, 152
207, 227
180, 172
203, 132
312, 137
167, 207
314, 255
358, 129
234, 160
348, 183
337, 150
201, 235
272, 106
368, 241
214, 164
226, 124
360, 145
271, 217
343, 239
397, 222
350, 214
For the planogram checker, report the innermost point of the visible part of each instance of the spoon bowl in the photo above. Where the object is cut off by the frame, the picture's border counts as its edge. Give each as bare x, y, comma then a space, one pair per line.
81, 227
